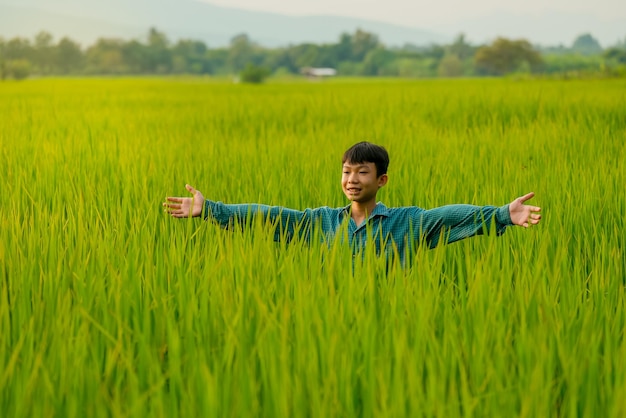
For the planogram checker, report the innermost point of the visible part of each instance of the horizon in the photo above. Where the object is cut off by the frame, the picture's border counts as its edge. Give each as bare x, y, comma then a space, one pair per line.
558, 24
443, 11
477, 20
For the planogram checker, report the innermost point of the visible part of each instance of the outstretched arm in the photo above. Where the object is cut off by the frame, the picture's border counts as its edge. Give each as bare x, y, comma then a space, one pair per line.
287, 221
456, 222
524, 215
185, 207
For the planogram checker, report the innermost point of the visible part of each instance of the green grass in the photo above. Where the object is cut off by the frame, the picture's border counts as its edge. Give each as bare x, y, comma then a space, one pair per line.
108, 307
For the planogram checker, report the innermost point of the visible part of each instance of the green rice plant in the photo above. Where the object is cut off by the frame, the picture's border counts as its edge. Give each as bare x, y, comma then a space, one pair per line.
109, 307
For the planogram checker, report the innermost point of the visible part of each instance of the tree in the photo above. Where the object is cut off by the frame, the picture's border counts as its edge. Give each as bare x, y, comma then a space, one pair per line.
135, 56
435, 52
571, 64
280, 59
19, 69
450, 66
69, 56
189, 57
362, 43
461, 48
586, 45
254, 74
343, 49
506, 56
328, 56
105, 57
305, 55
418, 66
376, 60
18, 49
240, 53
43, 52
16, 58
216, 60
158, 56
3, 69
616, 54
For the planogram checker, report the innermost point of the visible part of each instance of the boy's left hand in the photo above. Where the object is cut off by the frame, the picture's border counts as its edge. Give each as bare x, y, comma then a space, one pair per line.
185, 207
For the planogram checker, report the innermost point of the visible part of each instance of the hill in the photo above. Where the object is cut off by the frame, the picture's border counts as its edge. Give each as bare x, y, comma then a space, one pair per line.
85, 21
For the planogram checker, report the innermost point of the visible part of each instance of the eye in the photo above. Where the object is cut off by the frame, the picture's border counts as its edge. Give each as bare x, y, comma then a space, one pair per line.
362, 172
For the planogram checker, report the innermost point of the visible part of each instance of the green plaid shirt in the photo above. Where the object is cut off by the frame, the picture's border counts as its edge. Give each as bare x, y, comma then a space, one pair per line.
390, 229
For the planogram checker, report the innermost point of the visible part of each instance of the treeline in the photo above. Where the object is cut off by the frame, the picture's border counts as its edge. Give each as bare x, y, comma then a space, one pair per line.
358, 54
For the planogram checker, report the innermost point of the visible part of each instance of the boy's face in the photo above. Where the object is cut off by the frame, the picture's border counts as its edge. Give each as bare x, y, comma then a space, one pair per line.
360, 182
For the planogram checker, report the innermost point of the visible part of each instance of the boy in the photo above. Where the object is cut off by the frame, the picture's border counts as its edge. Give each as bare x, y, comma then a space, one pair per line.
364, 173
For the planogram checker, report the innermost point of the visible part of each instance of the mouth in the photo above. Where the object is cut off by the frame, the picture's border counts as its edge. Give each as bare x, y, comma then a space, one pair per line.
353, 190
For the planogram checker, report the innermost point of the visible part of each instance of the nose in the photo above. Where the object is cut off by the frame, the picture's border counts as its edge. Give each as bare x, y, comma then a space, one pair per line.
353, 178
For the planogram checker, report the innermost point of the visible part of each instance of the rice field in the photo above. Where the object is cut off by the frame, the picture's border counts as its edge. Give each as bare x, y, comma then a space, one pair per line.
111, 308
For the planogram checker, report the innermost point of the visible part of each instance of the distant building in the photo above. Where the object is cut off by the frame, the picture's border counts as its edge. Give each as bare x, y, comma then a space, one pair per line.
318, 72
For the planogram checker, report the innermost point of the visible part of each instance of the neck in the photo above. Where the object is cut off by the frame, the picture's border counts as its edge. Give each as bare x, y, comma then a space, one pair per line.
360, 211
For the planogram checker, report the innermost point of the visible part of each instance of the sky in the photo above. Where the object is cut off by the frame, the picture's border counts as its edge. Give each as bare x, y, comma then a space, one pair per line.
445, 14
419, 12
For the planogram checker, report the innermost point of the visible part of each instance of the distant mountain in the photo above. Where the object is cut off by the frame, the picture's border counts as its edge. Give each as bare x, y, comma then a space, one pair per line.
548, 29
86, 20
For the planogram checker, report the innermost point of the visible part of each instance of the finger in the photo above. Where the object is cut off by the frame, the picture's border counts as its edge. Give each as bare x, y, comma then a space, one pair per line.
174, 199
172, 206
190, 189
526, 197
533, 219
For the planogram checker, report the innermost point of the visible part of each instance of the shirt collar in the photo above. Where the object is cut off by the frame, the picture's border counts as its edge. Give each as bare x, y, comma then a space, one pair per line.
379, 210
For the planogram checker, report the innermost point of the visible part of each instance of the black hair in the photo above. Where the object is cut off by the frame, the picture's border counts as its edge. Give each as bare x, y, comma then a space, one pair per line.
366, 152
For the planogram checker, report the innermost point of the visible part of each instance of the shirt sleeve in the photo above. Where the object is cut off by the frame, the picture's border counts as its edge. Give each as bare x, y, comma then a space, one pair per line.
287, 222
455, 222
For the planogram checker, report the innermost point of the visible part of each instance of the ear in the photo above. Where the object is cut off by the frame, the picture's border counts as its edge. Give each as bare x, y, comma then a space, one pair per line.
382, 180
